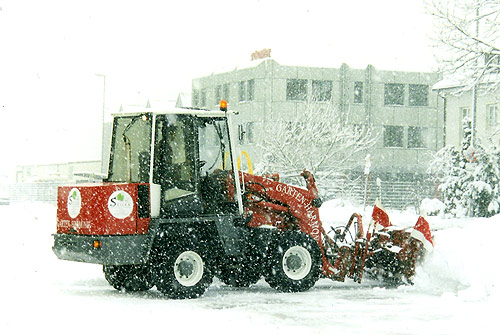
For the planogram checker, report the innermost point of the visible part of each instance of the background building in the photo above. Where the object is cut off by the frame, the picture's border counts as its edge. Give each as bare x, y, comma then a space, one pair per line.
457, 105
400, 106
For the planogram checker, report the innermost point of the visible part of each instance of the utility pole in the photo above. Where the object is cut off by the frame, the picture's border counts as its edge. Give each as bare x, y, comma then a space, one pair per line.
476, 82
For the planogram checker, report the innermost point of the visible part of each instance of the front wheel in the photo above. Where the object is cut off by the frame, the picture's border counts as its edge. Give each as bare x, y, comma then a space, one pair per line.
183, 272
294, 262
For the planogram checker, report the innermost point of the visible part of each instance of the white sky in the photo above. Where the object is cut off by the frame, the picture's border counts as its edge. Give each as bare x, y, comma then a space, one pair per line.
51, 98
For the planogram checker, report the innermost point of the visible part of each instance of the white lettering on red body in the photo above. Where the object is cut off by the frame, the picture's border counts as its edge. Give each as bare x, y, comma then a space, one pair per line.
308, 207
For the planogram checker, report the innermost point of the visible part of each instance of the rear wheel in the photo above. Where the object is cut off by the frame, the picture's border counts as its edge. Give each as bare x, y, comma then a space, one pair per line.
131, 278
294, 262
182, 272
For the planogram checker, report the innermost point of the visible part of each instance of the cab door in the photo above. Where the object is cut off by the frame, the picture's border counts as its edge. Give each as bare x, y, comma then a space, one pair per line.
175, 165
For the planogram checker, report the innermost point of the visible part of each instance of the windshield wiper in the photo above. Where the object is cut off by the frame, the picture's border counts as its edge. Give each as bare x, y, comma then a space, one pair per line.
222, 145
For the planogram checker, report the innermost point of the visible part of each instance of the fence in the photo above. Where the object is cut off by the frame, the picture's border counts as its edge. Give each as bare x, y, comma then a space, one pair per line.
44, 192
392, 194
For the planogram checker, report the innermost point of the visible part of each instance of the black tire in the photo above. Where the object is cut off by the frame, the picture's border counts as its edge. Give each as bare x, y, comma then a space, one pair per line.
130, 278
239, 273
294, 262
182, 272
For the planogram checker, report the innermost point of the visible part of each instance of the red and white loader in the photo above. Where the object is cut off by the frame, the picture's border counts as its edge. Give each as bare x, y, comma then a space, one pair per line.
173, 213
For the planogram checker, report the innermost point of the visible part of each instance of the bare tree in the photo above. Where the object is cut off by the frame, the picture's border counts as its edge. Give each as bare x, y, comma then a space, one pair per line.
320, 140
468, 40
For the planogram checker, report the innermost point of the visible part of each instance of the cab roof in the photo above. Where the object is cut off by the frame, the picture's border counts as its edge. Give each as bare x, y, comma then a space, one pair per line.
174, 111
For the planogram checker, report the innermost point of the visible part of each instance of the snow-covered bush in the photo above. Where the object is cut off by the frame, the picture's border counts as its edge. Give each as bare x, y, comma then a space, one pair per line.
432, 207
468, 178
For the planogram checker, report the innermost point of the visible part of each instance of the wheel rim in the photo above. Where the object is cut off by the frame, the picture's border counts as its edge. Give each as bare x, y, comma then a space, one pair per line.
188, 268
297, 262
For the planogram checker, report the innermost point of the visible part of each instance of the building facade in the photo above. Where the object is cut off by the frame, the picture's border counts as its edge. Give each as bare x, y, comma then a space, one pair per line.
400, 107
457, 106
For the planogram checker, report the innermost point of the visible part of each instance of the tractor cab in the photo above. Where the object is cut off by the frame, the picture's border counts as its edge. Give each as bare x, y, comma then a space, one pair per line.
184, 155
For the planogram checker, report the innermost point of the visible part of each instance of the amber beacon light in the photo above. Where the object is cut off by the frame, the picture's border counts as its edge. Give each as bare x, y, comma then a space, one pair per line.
223, 105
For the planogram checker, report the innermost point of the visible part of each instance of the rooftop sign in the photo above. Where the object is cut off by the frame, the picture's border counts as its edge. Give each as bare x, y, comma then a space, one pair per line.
260, 54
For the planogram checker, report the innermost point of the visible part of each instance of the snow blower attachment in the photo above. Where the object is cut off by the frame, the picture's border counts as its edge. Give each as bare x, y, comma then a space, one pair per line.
385, 252
174, 211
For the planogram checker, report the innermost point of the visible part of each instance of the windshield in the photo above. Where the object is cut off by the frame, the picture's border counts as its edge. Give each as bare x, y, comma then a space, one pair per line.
130, 149
214, 146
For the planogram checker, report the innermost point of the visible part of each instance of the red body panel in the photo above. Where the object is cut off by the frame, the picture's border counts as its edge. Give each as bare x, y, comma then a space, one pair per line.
99, 209
285, 206
286, 199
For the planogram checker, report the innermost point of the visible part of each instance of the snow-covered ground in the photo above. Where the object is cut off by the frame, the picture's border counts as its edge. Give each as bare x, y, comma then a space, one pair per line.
456, 290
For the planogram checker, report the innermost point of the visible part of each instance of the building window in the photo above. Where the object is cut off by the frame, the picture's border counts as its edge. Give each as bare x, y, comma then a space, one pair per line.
251, 90
358, 92
493, 115
296, 89
250, 133
416, 137
226, 92
418, 95
246, 90
203, 97
242, 90
218, 94
465, 121
322, 90
241, 134
465, 113
394, 94
393, 136
246, 133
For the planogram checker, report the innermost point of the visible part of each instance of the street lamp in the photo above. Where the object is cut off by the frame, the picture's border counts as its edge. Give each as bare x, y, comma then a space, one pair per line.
103, 111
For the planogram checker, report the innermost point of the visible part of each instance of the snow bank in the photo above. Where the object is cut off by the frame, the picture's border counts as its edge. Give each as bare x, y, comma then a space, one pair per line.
464, 261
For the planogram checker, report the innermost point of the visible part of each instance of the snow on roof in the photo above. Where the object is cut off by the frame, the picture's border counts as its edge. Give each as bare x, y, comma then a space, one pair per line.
446, 84
460, 81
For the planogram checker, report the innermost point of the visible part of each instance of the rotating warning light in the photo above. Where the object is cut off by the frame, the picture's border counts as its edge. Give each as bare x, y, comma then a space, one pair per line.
223, 105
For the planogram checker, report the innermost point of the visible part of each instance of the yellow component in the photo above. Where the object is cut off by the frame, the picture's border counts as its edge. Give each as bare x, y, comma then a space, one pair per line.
238, 162
249, 162
226, 155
